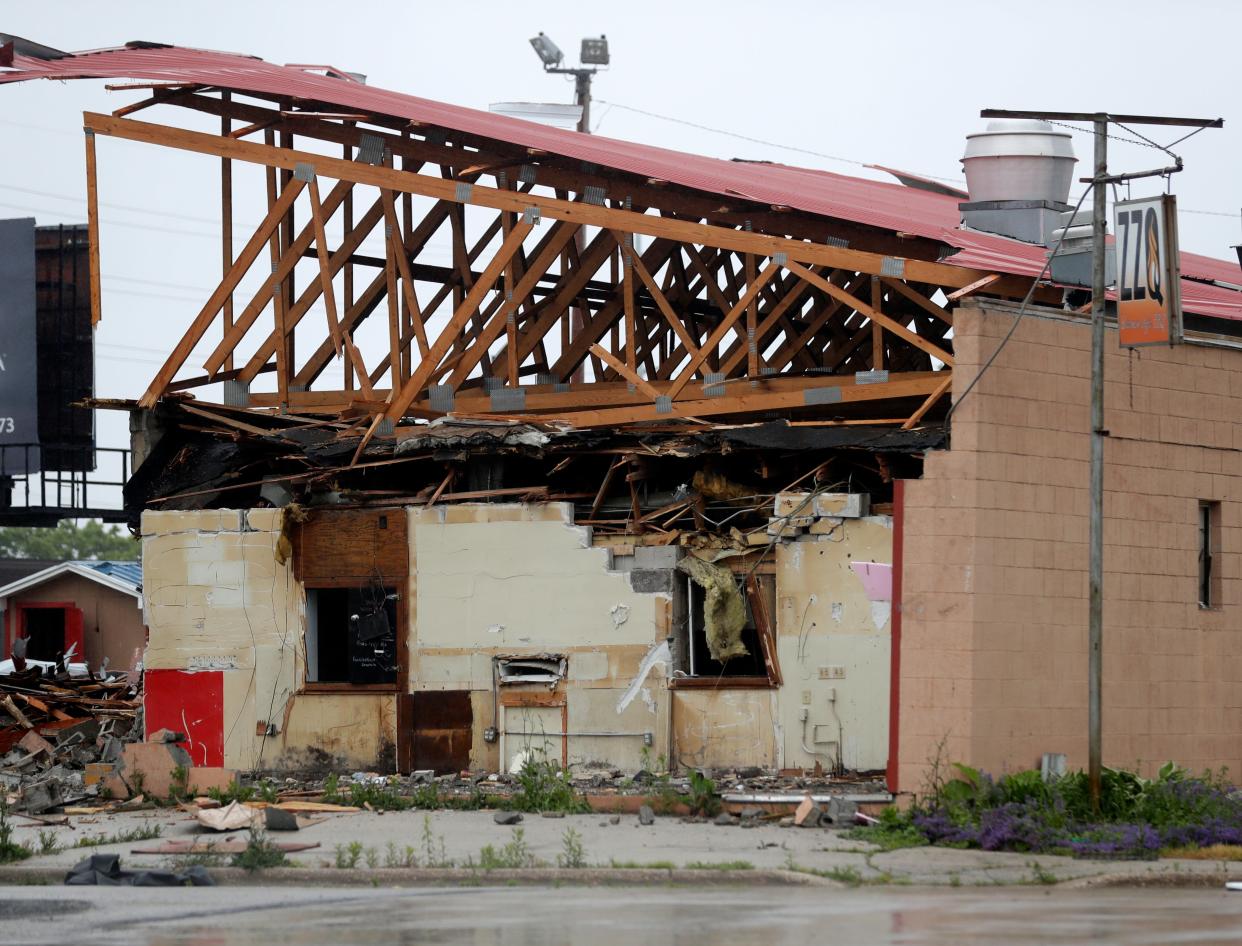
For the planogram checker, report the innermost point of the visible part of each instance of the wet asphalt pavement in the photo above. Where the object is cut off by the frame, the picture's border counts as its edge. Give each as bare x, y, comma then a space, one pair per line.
617, 916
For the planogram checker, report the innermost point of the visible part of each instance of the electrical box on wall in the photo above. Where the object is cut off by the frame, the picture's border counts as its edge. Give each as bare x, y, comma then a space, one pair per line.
835, 672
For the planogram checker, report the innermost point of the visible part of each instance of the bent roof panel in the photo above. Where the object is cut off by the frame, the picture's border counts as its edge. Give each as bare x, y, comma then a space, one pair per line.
894, 207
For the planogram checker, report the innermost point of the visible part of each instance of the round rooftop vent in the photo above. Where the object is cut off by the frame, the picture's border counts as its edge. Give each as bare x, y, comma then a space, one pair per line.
1019, 159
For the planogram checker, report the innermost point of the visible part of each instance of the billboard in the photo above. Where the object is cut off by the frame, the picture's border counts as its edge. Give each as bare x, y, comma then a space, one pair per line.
1149, 310
19, 383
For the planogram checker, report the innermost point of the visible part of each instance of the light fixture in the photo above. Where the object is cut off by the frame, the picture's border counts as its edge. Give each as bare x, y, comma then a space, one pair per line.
595, 51
548, 51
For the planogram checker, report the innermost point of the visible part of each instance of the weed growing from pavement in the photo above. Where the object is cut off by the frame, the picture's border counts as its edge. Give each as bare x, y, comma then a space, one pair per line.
1138, 818
395, 857
512, 855
260, 853
144, 833
703, 798
372, 858
206, 856
9, 851
48, 842
1041, 874
434, 854
235, 791
348, 855
572, 855
642, 865
544, 786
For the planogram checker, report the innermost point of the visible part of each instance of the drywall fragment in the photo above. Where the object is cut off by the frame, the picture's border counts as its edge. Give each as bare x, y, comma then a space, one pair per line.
724, 609
620, 614
838, 611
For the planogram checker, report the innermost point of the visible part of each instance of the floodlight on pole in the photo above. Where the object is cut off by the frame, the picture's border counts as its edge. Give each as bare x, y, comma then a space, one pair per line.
547, 50
594, 51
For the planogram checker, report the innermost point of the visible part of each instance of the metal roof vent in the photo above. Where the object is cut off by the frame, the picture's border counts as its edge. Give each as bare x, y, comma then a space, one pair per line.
1018, 174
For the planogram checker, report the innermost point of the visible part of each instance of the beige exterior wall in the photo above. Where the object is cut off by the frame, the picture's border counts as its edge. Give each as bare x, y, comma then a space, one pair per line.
833, 644
217, 600
512, 579
994, 607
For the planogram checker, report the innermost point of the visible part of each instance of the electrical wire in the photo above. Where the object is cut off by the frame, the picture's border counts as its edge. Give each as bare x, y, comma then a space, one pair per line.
1026, 301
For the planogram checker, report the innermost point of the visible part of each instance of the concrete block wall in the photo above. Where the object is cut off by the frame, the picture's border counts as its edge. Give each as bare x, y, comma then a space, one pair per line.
994, 590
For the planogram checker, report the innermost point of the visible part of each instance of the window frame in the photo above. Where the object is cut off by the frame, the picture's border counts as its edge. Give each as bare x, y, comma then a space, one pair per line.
765, 627
315, 686
1208, 528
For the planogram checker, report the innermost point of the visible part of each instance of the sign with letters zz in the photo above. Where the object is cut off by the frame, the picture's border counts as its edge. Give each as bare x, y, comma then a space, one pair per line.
19, 383
1149, 305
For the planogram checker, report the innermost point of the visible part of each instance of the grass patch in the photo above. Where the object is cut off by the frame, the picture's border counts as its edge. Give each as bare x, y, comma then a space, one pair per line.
514, 854
720, 865
10, 851
642, 865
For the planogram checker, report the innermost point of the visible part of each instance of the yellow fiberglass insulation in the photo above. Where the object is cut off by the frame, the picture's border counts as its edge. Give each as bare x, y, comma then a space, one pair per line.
724, 609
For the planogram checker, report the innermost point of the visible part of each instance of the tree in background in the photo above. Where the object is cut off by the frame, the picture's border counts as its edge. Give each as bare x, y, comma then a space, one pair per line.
69, 541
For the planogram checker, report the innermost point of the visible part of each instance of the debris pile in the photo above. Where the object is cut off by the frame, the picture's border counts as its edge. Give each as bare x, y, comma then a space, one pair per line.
62, 733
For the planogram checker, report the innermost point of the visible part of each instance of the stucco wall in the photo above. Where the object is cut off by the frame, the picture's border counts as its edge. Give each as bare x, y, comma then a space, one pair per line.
994, 606
833, 634
511, 579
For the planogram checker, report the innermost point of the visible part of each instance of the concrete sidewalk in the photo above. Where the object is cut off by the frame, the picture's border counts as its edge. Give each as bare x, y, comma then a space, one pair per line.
454, 839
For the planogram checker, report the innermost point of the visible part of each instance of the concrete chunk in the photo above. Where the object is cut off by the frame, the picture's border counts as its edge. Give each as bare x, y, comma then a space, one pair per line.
848, 505
507, 817
645, 815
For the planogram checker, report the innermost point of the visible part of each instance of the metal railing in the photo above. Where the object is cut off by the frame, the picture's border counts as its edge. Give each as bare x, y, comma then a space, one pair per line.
42, 497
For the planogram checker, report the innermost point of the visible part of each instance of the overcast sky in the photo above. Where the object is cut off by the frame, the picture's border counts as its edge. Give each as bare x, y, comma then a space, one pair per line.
897, 83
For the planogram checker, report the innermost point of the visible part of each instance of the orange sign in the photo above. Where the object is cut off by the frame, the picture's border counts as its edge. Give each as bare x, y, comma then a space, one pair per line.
1149, 310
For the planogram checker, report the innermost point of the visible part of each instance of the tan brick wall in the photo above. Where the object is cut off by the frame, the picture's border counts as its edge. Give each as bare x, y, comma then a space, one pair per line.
994, 612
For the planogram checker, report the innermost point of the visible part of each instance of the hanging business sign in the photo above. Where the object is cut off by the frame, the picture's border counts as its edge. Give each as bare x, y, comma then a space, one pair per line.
19, 382
1149, 303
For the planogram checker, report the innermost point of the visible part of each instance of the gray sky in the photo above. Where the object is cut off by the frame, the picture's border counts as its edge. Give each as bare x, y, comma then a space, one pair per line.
897, 83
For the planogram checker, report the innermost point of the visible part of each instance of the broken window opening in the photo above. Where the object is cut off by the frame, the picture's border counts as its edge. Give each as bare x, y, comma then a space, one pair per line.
757, 665
351, 634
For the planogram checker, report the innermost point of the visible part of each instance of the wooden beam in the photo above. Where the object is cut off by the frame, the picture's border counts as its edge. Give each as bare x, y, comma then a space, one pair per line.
723, 328
469, 306
325, 268
397, 240
207, 314
576, 211
976, 286
919, 299
626, 371
877, 332
825, 392
859, 306
931, 399
92, 228
661, 301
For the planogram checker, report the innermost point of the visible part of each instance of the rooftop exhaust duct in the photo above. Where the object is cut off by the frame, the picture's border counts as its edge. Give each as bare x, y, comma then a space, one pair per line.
1018, 175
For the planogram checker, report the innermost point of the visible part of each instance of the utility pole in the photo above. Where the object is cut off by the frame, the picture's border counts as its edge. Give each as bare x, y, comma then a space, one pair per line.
1095, 578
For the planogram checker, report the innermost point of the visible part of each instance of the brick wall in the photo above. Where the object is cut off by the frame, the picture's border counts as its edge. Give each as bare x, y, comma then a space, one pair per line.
994, 619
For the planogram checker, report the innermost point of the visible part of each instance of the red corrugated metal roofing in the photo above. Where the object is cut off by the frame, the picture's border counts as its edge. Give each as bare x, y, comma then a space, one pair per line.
872, 203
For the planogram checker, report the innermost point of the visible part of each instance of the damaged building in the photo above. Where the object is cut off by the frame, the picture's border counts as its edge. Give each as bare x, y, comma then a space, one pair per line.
659, 467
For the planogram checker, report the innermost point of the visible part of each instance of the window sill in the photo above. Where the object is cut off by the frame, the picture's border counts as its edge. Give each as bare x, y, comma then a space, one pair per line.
721, 683
348, 688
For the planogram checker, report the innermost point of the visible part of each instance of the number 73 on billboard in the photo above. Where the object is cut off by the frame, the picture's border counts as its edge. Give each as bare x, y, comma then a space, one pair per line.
1149, 309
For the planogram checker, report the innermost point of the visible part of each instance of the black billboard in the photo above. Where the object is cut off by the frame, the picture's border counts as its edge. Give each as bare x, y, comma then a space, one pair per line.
19, 380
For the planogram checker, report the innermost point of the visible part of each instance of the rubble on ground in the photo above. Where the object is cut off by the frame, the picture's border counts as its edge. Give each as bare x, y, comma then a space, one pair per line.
62, 732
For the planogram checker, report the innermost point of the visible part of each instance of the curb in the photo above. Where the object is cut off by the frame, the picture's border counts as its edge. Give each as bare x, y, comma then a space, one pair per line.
464, 877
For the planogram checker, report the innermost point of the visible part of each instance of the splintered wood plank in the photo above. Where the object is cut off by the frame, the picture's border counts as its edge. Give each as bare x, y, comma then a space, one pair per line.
976, 286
